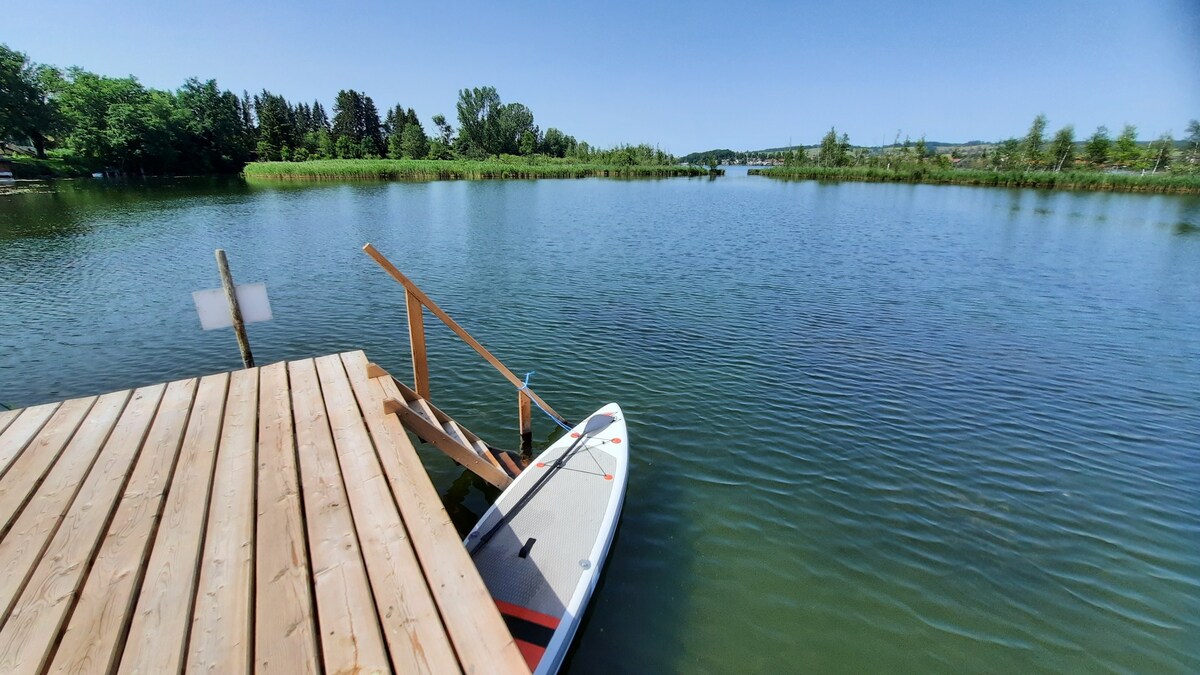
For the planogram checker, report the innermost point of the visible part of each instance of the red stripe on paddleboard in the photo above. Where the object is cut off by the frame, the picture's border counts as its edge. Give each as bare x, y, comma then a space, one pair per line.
532, 653
528, 614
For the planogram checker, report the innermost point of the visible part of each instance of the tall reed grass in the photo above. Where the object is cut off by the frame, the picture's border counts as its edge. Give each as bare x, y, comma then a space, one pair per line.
422, 169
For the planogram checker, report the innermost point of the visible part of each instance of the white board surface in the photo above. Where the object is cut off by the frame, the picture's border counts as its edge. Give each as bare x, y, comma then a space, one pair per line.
214, 310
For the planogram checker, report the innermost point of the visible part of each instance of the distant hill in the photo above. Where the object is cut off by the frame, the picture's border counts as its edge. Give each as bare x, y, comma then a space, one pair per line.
929, 144
702, 157
725, 155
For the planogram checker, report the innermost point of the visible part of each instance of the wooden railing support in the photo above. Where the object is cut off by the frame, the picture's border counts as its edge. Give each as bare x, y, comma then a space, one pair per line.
416, 340
415, 291
525, 417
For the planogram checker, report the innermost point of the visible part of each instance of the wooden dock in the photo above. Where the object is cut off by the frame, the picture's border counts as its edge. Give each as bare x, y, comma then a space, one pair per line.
273, 520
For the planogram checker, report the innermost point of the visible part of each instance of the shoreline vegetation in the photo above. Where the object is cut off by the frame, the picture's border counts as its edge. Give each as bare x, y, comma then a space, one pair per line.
1037, 160
432, 169
1071, 180
58, 123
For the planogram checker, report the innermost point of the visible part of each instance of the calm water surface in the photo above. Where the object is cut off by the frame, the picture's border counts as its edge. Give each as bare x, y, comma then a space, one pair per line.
877, 428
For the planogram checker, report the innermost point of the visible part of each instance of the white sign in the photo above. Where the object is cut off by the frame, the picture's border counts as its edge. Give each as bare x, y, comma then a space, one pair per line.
214, 309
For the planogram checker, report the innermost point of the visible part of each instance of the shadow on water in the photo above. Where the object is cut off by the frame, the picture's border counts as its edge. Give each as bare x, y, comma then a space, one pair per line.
646, 553
39, 209
466, 500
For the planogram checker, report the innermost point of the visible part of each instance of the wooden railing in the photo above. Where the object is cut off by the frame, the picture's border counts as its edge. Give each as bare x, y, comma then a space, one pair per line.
416, 301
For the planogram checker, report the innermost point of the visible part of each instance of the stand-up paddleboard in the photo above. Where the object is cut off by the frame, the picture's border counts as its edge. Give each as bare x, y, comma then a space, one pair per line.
541, 546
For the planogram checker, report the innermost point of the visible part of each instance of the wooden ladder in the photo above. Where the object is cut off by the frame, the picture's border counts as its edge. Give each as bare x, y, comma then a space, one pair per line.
434, 426
437, 428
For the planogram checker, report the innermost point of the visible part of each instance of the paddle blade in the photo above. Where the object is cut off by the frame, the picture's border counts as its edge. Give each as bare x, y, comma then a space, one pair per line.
596, 424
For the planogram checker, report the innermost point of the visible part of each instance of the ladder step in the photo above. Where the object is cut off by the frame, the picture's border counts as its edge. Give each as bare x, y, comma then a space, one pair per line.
510, 467
436, 427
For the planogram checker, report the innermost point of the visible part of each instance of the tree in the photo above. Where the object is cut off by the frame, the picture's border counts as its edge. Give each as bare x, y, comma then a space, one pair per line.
393, 123
556, 144
1098, 147
1062, 148
478, 109
1192, 151
1125, 150
505, 131
922, 149
1034, 143
371, 127
1007, 154
414, 143
445, 131
528, 143
395, 146
139, 132
1161, 151
356, 118
276, 126
213, 127
27, 109
832, 152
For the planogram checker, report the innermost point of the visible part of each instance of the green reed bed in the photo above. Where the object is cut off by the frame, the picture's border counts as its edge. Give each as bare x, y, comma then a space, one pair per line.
421, 169
1069, 180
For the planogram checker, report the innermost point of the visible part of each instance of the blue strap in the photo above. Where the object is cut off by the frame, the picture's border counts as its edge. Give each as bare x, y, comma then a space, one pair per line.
525, 387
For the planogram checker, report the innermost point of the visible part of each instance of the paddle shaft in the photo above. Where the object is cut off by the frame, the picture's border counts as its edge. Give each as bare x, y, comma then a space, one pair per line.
558, 464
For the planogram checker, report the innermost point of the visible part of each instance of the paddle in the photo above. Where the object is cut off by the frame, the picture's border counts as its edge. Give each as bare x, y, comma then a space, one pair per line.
594, 425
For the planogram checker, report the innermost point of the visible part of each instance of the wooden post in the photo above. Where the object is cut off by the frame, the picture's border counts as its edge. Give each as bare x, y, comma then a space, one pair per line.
416, 339
239, 327
525, 414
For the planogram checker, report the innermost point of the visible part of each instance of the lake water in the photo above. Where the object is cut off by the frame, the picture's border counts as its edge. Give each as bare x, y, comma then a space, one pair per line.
876, 428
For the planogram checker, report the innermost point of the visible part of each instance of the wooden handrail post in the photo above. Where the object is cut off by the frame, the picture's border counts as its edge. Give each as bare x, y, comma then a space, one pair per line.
453, 325
416, 340
525, 416
235, 312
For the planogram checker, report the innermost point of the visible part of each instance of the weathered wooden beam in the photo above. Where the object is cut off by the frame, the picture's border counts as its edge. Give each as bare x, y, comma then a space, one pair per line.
235, 311
416, 339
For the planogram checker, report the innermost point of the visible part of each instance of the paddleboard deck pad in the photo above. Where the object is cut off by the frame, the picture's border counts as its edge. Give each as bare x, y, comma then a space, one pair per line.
542, 544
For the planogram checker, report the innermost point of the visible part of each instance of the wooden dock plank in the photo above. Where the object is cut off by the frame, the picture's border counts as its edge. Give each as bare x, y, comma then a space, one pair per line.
32, 530
285, 638
479, 635
272, 519
411, 624
350, 634
26, 473
221, 634
32, 630
94, 635
7, 417
23, 430
157, 640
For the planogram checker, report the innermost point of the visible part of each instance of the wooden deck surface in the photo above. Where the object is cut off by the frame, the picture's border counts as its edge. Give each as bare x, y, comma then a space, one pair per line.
272, 520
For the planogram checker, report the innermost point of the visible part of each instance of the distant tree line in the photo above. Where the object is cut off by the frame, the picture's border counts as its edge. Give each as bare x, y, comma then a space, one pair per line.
1035, 151
118, 123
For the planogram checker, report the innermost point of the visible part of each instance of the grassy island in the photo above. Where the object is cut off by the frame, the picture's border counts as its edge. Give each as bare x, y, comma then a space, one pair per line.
1064, 180
452, 169
1035, 161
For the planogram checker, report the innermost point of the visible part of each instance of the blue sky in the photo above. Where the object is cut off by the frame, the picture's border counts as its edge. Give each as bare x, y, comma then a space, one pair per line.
687, 76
